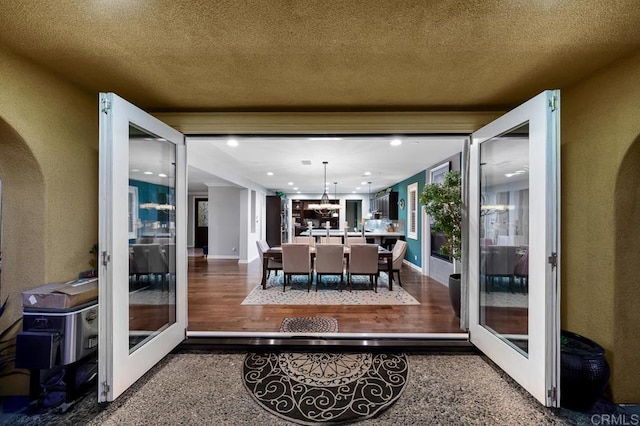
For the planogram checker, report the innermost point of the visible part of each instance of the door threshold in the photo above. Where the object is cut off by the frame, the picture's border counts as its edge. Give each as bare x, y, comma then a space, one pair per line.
432, 342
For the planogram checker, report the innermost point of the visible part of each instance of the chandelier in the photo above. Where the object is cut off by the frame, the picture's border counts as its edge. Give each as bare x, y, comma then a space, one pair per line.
325, 207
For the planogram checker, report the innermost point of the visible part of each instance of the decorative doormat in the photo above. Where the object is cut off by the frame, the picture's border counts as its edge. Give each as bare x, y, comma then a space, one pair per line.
309, 325
328, 293
331, 388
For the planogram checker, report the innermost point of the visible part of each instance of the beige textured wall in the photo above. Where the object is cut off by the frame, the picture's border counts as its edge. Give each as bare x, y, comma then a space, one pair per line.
50, 221
600, 122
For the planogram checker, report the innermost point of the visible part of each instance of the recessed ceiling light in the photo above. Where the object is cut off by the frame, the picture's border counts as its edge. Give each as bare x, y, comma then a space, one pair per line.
363, 183
299, 192
395, 142
289, 183
232, 142
162, 175
366, 174
148, 173
135, 170
357, 187
269, 173
295, 188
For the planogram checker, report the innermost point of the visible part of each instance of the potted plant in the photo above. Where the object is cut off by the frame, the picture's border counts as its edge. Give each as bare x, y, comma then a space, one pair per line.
443, 203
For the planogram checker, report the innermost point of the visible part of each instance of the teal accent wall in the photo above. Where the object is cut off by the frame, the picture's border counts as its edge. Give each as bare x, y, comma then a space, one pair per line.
152, 193
414, 247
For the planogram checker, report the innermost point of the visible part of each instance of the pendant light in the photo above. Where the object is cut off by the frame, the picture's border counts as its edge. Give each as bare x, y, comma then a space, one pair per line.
325, 205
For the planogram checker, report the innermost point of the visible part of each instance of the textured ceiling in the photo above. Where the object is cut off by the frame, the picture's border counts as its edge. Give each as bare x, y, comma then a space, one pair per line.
280, 55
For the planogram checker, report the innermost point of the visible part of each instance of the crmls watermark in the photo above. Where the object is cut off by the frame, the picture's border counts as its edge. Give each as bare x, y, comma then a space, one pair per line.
615, 419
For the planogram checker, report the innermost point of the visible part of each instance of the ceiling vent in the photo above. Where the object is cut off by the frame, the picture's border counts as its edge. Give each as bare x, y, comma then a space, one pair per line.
306, 162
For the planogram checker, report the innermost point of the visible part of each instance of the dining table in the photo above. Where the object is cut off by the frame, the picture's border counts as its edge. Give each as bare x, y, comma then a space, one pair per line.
276, 252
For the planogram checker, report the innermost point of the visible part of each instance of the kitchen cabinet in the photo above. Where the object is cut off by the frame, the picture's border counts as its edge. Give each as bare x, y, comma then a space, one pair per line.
385, 205
302, 214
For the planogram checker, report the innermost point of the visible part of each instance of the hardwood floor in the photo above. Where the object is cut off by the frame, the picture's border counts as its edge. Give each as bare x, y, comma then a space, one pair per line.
218, 287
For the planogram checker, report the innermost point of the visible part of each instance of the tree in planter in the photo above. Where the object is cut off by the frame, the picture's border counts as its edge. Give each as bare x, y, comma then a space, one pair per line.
443, 203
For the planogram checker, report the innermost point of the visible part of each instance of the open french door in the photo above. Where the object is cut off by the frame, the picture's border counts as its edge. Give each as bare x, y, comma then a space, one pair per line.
142, 241
514, 211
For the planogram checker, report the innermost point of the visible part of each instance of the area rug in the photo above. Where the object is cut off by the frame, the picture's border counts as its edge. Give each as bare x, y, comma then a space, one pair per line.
504, 300
147, 296
309, 325
331, 388
328, 293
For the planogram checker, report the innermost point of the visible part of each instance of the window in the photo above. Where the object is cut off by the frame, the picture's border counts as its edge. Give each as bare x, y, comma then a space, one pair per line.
412, 212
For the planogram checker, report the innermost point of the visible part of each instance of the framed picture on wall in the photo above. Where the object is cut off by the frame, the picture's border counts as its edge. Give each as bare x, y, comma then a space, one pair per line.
133, 212
436, 175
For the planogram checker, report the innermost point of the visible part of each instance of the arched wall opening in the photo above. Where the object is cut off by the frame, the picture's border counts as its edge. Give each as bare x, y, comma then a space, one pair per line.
626, 319
23, 221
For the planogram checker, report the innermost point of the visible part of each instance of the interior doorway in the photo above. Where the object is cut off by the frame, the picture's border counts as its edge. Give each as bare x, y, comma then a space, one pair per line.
362, 167
201, 224
353, 214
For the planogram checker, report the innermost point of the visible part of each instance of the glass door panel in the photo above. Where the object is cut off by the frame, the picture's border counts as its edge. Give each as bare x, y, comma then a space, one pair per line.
152, 251
142, 276
504, 237
513, 234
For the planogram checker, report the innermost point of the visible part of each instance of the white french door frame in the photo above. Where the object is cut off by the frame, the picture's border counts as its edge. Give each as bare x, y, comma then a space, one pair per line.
117, 367
538, 370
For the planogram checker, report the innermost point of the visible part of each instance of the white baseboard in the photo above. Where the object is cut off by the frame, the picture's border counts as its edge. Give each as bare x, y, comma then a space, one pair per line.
222, 256
411, 265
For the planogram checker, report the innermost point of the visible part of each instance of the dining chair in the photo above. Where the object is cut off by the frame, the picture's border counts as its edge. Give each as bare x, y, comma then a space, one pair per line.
169, 250
329, 261
311, 241
331, 240
272, 264
499, 262
521, 269
150, 261
363, 260
397, 255
355, 240
296, 260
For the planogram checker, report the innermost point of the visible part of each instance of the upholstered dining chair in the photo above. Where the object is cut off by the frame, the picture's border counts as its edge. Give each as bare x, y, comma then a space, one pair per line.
150, 261
330, 240
329, 261
272, 264
397, 254
304, 240
296, 260
355, 240
499, 262
363, 260
521, 269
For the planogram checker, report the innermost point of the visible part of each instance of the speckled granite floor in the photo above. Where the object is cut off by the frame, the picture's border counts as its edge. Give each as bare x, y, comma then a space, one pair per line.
205, 388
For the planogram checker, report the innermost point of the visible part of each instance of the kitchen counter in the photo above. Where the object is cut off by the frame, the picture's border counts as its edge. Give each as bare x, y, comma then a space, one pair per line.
378, 237
340, 233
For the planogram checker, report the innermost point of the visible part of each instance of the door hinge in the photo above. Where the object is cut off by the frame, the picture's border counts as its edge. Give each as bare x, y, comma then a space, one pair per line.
553, 259
552, 393
553, 103
106, 105
105, 258
105, 388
